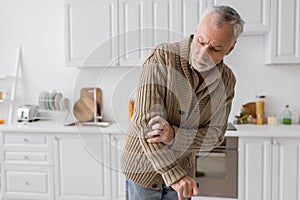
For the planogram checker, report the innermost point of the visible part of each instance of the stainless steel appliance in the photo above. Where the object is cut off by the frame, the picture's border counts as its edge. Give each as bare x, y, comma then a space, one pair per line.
217, 171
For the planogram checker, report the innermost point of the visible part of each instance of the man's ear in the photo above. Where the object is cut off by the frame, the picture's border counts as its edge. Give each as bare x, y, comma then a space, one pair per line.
231, 48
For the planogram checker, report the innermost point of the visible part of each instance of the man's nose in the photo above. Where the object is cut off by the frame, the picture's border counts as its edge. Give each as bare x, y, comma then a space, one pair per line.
203, 53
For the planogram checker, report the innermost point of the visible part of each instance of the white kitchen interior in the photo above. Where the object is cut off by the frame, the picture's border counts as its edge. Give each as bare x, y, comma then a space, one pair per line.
45, 160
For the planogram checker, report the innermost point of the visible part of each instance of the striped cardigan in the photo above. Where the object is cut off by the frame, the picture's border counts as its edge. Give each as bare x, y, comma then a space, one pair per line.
198, 116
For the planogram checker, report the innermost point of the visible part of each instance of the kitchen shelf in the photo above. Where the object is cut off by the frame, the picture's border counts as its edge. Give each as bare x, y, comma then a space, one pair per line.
7, 77
9, 95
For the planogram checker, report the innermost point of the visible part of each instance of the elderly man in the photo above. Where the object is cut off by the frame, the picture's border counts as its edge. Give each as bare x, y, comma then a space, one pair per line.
183, 102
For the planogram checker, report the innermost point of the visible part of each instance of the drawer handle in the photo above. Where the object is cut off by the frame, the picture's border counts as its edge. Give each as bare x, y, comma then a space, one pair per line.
25, 140
27, 183
26, 157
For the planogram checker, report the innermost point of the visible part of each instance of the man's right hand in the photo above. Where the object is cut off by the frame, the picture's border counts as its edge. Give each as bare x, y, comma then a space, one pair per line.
186, 187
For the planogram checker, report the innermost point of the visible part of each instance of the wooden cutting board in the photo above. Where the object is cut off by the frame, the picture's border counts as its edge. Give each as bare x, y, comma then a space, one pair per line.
84, 108
90, 93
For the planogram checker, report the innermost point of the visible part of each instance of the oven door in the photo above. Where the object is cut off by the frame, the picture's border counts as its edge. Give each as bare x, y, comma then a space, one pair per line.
217, 173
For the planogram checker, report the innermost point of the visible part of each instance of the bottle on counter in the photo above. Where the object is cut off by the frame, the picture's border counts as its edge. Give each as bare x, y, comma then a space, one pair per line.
286, 116
260, 110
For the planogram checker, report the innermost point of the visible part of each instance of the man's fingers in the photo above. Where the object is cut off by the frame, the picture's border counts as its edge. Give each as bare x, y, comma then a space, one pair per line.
154, 140
152, 133
156, 119
196, 190
180, 195
188, 191
157, 126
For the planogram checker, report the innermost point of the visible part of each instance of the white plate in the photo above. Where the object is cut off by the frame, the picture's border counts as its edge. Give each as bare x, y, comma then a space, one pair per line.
65, 104
51, 100
57, 100
42, 96
46, 101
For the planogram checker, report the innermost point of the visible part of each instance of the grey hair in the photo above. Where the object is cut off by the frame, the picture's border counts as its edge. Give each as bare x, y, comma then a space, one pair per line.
229, 15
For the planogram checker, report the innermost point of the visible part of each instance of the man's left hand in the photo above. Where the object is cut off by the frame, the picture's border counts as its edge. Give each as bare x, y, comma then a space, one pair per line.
161, 131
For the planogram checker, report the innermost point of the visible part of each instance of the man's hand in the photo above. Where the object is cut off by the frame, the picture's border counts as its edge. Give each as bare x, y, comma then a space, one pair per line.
186, 187
161, 131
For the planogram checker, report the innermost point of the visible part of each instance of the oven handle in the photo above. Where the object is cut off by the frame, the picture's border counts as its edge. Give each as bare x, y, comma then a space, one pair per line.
212, 154
215, 153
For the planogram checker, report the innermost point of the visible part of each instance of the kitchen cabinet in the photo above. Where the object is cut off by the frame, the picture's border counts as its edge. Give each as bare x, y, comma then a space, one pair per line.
118, 178
256, 14
91, 32
61, 166
283, 40
101, 33
81, 167
143, 25
26, 166
269, 168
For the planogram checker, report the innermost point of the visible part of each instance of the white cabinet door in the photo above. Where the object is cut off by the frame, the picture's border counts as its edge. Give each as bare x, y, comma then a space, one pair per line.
286, 170
118, 178
191, 12
255, 13
91, 29
82, 167
255, 168
164, 20
145, 24
283, 41
132, 36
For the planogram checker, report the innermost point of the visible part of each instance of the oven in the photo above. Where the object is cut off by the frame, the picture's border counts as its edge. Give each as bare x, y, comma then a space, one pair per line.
217, 170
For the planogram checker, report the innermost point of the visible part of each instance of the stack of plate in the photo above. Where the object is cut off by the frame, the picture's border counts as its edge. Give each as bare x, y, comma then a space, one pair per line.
53, 101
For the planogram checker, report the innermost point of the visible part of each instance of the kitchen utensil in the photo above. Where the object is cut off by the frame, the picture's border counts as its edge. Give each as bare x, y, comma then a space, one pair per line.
57, 101
27, 113
42, 96
52, 99
94, 93
65, 104
83, 109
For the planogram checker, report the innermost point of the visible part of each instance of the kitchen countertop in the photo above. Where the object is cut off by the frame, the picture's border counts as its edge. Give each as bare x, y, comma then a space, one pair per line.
251, 130
58, 127
245, 130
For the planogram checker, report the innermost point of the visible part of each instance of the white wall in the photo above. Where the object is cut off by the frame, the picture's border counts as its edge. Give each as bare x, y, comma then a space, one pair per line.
38, 26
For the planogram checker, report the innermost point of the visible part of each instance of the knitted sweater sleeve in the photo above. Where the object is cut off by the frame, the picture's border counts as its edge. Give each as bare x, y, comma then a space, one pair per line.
150, 103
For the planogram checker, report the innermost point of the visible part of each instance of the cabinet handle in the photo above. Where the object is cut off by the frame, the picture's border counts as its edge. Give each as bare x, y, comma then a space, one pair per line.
25, 140
27, 183
26, 157
275, 142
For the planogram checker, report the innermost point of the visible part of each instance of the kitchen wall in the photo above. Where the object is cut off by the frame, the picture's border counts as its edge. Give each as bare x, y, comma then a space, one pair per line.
39, 27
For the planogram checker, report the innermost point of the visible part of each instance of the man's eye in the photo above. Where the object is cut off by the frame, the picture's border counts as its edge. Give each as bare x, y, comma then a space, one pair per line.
215, 50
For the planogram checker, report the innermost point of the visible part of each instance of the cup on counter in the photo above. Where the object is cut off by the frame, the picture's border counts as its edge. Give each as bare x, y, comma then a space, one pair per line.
272, 120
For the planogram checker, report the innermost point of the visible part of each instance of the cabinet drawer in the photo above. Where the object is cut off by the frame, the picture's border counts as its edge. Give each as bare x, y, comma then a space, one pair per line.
23, 182
23, 139
26, 157
27, 181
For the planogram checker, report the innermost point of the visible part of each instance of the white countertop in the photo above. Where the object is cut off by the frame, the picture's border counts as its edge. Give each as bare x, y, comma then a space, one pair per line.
245, 130
58, 127
251, 130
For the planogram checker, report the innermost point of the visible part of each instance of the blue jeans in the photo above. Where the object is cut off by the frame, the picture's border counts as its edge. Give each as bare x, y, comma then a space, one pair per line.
135, 191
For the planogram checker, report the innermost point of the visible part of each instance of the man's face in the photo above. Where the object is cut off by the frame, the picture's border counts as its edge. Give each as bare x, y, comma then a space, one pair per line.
211, 43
